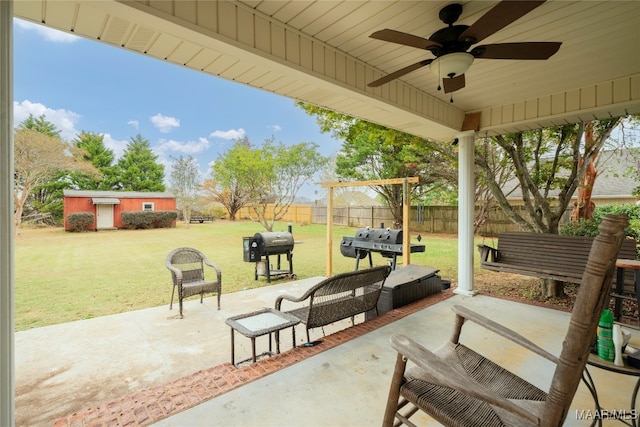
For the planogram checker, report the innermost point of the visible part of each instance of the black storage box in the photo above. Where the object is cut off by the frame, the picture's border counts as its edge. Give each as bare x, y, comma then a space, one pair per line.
633, 360
406, 285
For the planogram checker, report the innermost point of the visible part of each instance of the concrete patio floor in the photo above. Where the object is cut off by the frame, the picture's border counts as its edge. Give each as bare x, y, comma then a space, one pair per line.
127, 364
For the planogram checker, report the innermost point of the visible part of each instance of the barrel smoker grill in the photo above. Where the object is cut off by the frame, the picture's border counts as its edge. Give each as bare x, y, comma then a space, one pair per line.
267, 244
385, 241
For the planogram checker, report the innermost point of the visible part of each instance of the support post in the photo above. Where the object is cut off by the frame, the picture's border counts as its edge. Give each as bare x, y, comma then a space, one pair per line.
406, 212
466, 205
7, 348
329, 230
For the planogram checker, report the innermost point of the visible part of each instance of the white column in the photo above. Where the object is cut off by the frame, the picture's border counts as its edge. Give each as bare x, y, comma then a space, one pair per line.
466, 190
7, 355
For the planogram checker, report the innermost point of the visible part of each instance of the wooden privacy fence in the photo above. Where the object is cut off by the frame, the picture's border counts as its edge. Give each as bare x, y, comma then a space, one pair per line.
427, 219
297, 214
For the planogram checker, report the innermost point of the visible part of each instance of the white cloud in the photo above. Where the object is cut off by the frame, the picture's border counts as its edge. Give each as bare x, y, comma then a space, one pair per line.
231, 134
164, 123
117, 145
48, 33
63, 120
189, 147
275, 128
134, 124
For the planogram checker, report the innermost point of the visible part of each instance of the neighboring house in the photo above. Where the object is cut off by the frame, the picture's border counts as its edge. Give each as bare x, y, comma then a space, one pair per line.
107, 206
613, 185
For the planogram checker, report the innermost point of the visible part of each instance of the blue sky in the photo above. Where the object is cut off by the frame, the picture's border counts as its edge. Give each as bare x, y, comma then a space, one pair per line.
83, 85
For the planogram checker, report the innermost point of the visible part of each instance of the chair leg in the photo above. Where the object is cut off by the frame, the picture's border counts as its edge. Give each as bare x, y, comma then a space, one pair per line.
173, 291
180, 301
394, 391
218, 299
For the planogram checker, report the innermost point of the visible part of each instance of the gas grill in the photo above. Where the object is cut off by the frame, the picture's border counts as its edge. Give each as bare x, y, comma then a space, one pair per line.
266, 244
385, 241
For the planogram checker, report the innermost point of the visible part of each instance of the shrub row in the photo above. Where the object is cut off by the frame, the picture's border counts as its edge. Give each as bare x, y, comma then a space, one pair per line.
81, 221
148, 219
589, 227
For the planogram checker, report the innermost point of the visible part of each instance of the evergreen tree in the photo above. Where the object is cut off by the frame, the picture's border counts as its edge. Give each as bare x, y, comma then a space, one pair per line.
101, 157
137, 168
40, 125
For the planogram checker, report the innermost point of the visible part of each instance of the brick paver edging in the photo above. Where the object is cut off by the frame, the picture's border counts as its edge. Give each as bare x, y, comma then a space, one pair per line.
153, 404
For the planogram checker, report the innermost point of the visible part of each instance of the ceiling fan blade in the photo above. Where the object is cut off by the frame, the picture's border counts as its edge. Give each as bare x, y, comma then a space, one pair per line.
453, 84
401, 72
502, 14
525, 50
405, 39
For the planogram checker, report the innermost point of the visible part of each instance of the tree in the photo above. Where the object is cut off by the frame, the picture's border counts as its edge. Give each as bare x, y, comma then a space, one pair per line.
270, 175
546, 161
101, 157
229, 185
373, 152
185, 183
39, 158
44, 201
137, 168
232, 198
491, 166
41, 125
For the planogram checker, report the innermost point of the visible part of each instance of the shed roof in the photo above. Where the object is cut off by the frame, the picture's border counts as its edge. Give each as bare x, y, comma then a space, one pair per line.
118, 194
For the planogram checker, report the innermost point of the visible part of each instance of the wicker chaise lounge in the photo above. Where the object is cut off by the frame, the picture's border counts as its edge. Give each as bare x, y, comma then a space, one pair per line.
188, 275
339, 297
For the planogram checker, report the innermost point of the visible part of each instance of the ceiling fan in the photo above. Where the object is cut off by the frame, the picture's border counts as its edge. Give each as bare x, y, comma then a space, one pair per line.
450, 45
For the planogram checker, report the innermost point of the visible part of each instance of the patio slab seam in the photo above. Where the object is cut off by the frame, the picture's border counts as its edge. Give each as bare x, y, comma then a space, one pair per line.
155, 403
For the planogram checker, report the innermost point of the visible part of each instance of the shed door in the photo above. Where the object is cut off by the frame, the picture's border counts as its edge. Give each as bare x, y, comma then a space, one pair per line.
105, 216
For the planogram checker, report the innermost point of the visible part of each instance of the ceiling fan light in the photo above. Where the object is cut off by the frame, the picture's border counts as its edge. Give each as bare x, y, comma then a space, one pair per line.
451, 64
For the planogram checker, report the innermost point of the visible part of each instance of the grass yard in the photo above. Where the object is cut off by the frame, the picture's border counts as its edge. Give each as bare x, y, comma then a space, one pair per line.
62, 276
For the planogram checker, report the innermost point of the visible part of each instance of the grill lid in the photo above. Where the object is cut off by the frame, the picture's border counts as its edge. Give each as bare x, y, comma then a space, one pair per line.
275, 241
379, 235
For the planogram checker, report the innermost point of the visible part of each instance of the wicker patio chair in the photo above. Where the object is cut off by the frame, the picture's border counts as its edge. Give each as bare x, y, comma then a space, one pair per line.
188, 274
457, 386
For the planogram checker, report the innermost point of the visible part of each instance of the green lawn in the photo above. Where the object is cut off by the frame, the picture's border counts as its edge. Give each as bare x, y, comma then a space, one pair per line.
61, 276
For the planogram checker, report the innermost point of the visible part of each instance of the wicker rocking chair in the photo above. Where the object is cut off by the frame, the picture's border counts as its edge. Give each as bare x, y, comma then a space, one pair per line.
459, 387
187, 272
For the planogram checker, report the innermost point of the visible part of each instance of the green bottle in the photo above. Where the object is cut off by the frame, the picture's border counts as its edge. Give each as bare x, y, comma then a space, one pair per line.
606, 349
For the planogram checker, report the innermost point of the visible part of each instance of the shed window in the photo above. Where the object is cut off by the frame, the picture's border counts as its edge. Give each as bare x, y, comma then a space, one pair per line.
147, 206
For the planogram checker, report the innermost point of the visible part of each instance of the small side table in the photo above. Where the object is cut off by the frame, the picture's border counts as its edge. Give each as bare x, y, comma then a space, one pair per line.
594, 360
262, 322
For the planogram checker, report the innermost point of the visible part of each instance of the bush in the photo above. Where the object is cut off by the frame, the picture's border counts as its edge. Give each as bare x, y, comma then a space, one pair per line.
218, 212
148, 219
81, 221
589, 227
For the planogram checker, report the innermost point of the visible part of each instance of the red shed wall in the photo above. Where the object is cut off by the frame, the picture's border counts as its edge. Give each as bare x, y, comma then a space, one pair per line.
136, 205
85, 204
78, 204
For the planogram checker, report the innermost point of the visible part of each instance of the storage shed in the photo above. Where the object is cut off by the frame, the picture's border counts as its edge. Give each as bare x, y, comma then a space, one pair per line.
107, 206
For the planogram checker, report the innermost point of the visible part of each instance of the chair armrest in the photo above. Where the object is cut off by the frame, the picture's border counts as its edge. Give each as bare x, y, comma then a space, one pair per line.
289, 298
176, 273
443, 374
497, 328
487, 253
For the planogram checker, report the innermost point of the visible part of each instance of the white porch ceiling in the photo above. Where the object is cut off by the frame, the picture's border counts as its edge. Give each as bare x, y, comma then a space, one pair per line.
320, 52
